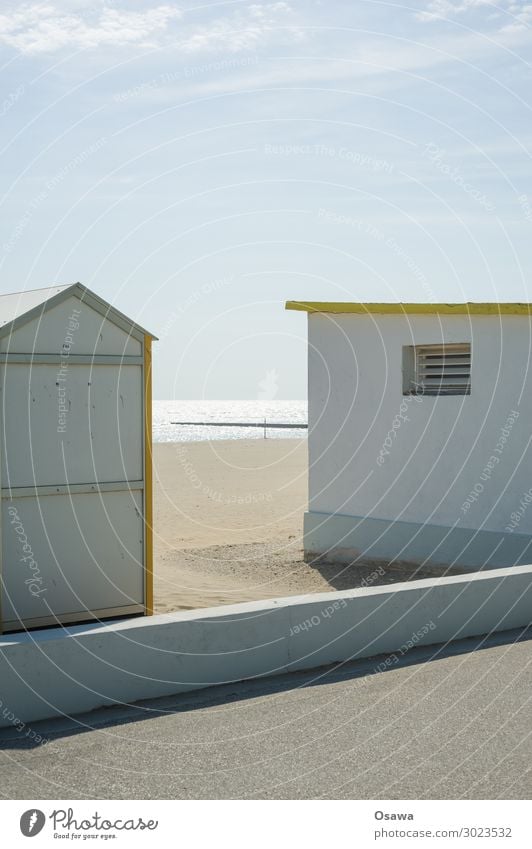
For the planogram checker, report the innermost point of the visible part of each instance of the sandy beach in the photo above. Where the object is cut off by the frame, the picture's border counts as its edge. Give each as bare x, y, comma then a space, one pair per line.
228, 522
228, 526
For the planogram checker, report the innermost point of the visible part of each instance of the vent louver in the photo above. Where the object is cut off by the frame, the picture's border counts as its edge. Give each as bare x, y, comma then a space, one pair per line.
442, 369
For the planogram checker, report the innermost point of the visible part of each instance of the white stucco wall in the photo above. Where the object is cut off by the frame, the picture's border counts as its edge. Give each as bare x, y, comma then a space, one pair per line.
443, 447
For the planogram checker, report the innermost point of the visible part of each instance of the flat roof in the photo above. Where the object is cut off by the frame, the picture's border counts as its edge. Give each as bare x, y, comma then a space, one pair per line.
395, 308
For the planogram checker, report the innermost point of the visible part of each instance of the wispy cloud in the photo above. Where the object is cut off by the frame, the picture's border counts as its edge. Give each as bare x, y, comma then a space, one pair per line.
246, 29
47, 27
504, 16
449, 8
522, 17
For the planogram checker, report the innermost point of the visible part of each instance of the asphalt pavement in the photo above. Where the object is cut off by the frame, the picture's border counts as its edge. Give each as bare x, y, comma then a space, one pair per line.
439, 723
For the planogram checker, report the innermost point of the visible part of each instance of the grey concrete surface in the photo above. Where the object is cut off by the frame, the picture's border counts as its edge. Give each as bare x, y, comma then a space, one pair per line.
437, 722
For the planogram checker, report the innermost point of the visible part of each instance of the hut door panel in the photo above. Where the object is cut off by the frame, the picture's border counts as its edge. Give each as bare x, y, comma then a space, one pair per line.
82, 429
67, 555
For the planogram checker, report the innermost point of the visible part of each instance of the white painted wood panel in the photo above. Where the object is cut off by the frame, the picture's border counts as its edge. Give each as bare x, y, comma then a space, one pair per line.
71, 554
80, 427
71, 326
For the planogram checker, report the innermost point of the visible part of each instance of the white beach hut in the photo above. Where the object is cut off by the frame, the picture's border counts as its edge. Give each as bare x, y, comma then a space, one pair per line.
420, 433
76, 537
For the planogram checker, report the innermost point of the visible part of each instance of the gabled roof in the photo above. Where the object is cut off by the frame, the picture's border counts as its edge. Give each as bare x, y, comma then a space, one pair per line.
18, 308
396, 308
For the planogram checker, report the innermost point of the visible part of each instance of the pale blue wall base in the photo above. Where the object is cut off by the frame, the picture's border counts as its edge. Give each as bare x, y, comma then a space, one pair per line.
348, 538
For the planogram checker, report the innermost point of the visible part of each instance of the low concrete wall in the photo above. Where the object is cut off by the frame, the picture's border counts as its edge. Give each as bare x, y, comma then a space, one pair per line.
61, 672
346, 538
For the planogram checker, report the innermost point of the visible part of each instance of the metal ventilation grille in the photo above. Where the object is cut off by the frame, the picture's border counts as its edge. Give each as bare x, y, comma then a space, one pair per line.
443, 369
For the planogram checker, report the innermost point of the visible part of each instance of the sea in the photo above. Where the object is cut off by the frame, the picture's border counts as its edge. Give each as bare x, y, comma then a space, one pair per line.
166, 413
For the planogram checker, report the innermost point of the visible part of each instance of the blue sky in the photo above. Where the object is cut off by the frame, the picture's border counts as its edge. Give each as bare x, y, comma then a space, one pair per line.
199, 164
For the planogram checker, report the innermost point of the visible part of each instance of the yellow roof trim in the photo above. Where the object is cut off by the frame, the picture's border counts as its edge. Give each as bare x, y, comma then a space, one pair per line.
411, 309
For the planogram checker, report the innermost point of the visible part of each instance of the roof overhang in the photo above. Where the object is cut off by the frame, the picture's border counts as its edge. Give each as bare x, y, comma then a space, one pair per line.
395, 308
